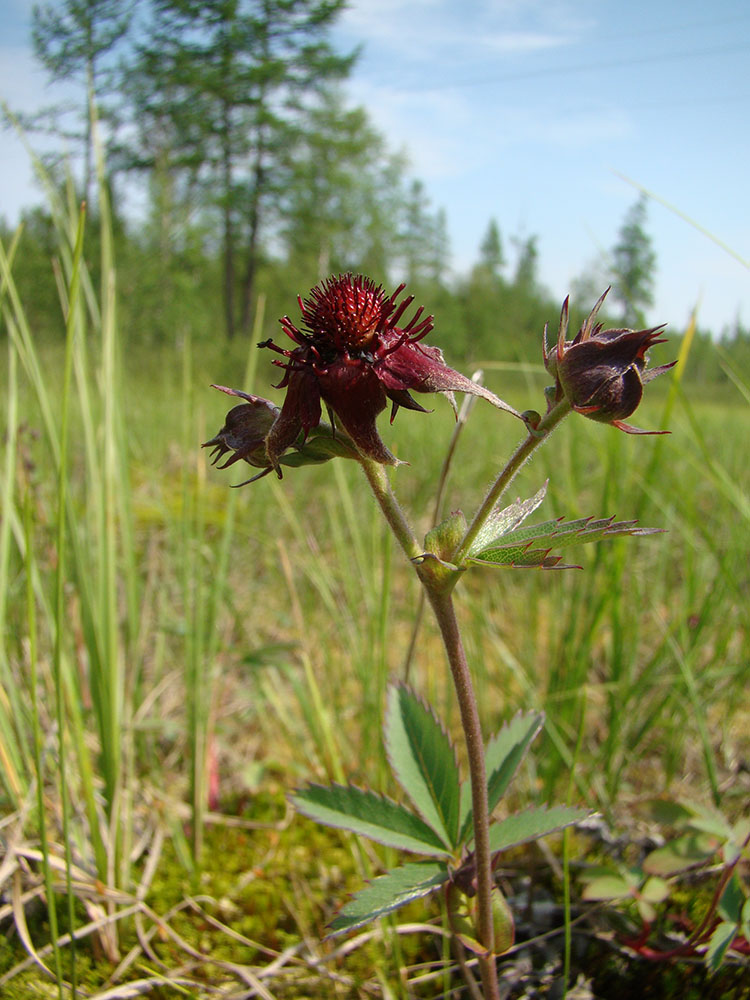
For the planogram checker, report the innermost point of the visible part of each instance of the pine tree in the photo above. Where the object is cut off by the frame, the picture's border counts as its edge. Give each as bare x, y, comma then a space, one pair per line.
423, 239
72, 41
633, 266
339, 199
233, 82
491, 259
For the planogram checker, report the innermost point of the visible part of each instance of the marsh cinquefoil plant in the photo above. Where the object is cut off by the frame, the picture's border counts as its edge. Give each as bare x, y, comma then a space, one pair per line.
353, 354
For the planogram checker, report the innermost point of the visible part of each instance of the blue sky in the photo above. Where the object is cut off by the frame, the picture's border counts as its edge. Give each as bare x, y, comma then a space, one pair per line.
532, 112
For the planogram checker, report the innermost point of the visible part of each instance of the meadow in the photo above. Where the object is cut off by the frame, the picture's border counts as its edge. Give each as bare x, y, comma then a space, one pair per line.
178, 656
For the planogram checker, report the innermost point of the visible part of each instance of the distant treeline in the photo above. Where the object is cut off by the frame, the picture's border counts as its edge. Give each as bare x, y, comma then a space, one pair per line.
255, 178
493, 313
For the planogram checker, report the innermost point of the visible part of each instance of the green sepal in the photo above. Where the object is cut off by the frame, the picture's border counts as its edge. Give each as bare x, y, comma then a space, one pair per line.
442, 540
322, 444
389, 892
423, 760
370, 815
464, 923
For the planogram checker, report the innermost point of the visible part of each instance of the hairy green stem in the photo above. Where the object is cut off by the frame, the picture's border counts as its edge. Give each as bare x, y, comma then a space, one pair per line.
381, 488
536, 437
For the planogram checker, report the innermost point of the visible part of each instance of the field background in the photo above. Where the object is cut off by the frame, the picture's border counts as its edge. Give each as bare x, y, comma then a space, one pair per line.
178, 656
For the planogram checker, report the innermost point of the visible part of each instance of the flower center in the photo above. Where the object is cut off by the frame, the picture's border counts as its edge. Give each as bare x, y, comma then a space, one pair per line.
345, 313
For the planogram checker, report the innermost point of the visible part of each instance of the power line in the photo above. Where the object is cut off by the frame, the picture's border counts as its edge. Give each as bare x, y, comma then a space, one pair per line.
587, 67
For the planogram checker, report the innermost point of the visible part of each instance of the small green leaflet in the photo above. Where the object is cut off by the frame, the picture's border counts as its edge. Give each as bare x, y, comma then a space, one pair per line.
679, 855
721, 941
423, 760
387, 893
370, 815
504, 753
500, 522
503, 542
532, 824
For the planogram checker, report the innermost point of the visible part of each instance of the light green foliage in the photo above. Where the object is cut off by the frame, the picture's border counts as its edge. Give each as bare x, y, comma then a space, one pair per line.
627, 886
389, 892
369, 815
423, 760
505, 751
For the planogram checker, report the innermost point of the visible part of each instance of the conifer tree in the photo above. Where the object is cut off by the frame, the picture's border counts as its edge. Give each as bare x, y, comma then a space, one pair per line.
633, 266
232, 82
72, 41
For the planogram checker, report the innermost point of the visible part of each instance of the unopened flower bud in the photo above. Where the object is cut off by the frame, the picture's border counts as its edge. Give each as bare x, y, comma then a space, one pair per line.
245, 431
602, 372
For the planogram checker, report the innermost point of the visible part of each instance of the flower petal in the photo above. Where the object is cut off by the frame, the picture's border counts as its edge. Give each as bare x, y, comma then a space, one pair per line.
422, 369
300, 412
351, 388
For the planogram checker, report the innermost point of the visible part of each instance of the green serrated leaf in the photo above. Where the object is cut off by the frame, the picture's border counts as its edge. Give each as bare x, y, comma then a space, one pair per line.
732, 900
533, 824
505, 751
370, 815
424, 761
720, 943
517, 547
501, 521
655, 889
388, 892
680, 854
607, 887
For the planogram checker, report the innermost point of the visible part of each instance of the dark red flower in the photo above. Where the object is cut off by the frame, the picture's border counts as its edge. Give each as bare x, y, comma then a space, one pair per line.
353, 355
602, 372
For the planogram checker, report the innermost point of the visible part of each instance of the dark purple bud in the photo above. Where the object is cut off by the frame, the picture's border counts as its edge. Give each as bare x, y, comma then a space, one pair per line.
602, 372
244, 436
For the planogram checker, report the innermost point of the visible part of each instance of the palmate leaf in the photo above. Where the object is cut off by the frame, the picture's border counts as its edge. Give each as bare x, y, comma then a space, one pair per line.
364, 812
500, 522
681, 854
424, 761
533, 824
390, 891
505, 751
516, 549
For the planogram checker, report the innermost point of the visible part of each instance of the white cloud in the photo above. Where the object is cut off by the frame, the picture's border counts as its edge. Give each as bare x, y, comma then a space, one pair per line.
460, 35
